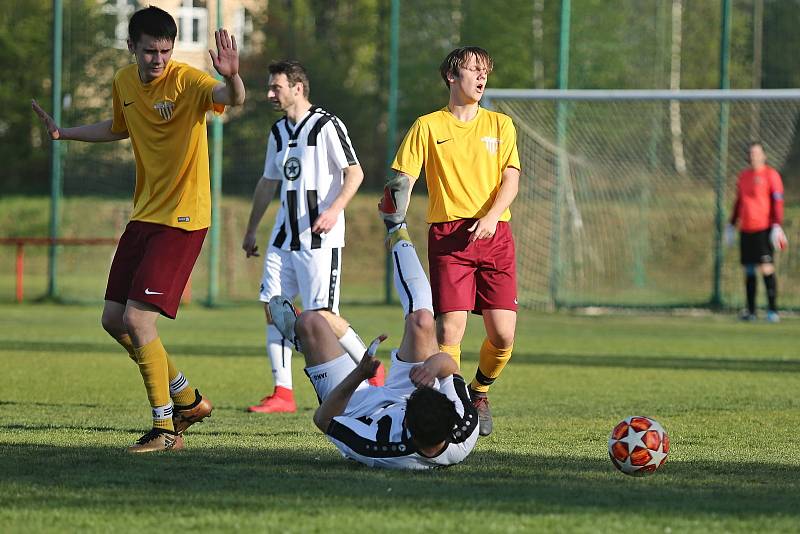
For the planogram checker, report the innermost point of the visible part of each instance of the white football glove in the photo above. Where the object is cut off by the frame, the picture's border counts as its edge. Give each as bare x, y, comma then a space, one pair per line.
730, 235
778, 238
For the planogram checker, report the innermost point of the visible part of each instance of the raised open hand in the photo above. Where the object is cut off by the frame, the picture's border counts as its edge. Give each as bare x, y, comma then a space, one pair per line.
50, 124
226, 58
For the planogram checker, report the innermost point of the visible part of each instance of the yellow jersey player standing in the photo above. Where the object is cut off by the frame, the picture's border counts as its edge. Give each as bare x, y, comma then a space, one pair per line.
472, 171
161, 106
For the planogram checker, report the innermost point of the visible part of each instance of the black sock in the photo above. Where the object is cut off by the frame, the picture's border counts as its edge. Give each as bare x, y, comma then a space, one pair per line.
771, 283
750, 284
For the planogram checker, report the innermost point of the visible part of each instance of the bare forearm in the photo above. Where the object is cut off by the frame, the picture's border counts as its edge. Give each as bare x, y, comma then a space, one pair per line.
442, 364
265, 190
337, 400
353, 177
507, 192
99, 132
231, 93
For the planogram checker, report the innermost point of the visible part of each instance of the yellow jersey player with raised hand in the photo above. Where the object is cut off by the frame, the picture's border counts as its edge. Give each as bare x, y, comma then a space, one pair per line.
472, 171
161, 106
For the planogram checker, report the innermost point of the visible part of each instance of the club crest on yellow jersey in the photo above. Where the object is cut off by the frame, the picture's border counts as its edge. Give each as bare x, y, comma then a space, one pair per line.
165, 108
492, 143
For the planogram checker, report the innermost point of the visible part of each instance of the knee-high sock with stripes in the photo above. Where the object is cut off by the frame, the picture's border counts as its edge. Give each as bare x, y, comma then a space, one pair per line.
492, 362
279, 352
410, 280
179, 388
152, 359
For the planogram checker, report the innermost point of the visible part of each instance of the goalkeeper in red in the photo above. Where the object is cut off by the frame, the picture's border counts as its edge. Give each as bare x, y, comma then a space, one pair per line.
759, 212
472, 170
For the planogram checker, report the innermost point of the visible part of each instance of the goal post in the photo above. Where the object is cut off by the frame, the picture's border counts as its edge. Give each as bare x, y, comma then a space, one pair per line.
624, 193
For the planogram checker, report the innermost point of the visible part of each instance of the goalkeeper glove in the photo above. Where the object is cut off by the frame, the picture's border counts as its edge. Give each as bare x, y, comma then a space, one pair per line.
730, 235
778, 238
395, 200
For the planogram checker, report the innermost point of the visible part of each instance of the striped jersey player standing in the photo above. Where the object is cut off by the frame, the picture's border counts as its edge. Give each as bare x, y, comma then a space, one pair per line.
161, 105
472, 171
422, 417
310, 157
759, 212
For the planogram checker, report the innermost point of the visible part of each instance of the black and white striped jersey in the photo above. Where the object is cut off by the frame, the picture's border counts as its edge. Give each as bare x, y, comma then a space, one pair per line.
308, 158
380, 439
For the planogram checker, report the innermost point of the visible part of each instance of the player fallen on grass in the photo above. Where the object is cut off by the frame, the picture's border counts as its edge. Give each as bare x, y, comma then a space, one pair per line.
422, 416
161, 105
472, 171
311, 160
759, 211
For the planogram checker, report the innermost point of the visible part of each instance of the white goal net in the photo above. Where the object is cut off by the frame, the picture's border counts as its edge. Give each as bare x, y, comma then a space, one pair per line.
623, 193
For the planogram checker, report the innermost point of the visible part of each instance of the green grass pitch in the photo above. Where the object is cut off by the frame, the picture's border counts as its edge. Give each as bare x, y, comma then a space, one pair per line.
727, 393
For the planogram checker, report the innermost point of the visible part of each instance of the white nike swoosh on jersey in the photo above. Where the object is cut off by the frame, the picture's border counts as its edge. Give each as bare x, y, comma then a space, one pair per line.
148, 292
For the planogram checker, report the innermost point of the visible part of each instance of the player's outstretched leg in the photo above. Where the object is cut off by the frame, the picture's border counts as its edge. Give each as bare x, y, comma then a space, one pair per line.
410, 280
411, 283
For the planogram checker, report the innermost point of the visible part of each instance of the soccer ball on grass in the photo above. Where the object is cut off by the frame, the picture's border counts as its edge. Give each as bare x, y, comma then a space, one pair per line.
638, 445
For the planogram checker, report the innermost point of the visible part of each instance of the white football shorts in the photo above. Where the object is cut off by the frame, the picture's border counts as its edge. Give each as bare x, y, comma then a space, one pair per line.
314, 275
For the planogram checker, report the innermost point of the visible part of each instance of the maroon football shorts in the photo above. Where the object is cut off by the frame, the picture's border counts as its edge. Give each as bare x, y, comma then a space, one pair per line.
152, 264
471, 276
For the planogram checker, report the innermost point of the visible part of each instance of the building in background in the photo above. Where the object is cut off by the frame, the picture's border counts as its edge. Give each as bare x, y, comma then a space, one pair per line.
196, 21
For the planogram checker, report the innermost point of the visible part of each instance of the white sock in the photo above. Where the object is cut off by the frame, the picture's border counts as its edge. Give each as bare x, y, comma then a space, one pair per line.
280, 357
353, 344
409, 278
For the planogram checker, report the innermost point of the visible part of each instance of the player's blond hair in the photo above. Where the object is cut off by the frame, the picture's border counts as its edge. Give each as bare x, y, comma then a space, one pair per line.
458, 59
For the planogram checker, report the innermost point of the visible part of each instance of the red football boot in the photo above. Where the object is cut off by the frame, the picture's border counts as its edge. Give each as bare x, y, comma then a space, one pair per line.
281, 401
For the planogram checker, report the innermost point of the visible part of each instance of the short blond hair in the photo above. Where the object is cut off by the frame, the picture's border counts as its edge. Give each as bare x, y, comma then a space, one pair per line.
458, 59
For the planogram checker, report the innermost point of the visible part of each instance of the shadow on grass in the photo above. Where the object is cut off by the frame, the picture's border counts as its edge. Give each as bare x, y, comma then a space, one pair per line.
520, 358
115, 430
237, 479
661, 362
61, 348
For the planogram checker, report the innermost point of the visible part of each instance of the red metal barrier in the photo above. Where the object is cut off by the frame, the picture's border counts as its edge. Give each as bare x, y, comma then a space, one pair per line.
20, 243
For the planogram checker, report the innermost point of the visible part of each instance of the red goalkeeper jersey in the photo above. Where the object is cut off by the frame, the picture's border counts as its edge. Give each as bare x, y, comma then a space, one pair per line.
759, 199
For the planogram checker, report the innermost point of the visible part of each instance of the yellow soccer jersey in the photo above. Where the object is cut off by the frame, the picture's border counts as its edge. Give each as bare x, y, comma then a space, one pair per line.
463, 161
166, 122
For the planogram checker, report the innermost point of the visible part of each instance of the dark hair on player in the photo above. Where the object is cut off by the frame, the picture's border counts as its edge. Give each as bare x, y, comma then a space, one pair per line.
756, 142
154, 22
459, 57
294, 71
430, 416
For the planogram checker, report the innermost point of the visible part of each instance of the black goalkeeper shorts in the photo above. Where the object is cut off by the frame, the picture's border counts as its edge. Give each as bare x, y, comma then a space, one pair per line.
755, 247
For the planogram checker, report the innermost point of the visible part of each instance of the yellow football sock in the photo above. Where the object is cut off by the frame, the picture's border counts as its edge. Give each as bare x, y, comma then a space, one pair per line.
152, 360
127, 344
452, 350
185, 396
166, 424
491, 364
